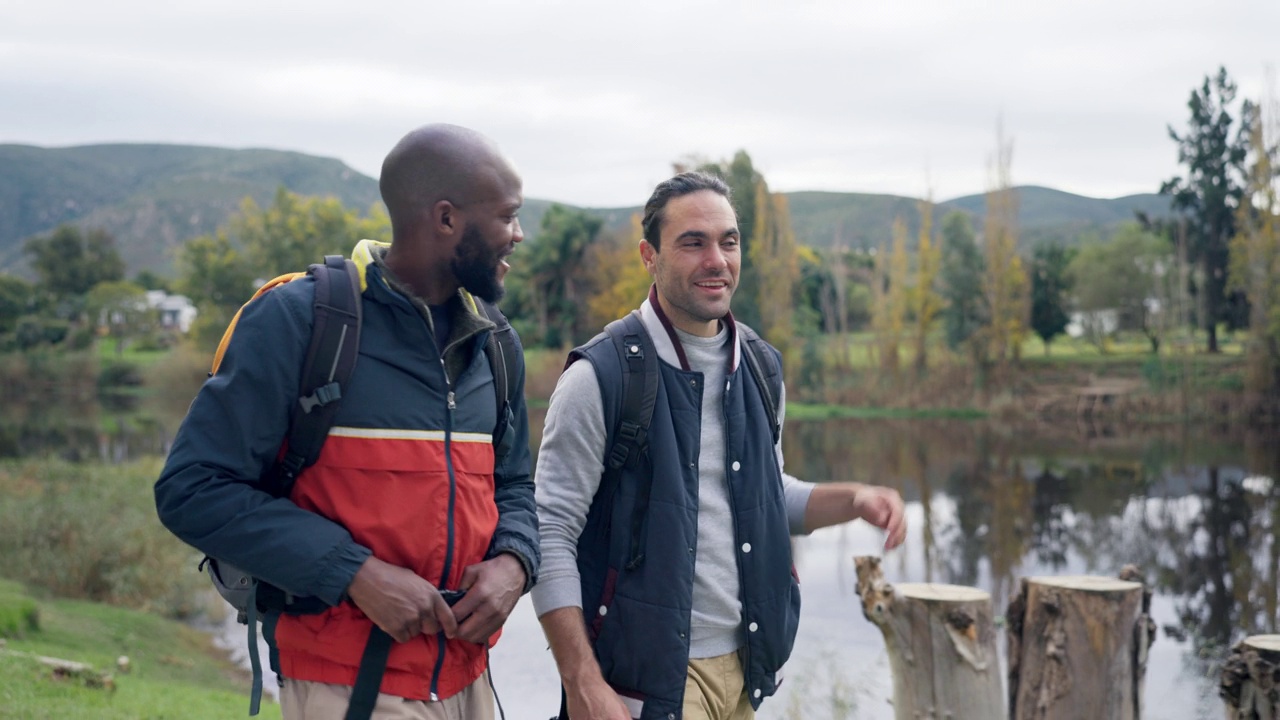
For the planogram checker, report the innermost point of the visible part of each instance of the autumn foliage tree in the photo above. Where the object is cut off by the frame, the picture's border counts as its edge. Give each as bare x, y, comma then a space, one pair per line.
926, 301
619, 279
1255, 259
1005, 283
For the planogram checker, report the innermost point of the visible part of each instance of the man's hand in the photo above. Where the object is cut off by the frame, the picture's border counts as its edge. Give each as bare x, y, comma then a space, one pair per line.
400, 602
493, 588
592, 699
883, 508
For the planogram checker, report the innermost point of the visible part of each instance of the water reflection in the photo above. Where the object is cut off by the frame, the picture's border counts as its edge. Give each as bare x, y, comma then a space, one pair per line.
1194, 509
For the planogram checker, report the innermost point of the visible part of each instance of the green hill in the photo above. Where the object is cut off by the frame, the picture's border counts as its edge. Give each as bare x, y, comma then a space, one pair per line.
153, 198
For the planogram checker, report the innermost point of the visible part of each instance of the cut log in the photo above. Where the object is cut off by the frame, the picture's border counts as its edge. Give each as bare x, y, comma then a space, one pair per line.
1250, 682
941, 644
1077, 649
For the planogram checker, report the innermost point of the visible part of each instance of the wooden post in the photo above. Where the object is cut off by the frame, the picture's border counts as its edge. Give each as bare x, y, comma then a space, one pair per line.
1078, 648
941, 644
1250, 683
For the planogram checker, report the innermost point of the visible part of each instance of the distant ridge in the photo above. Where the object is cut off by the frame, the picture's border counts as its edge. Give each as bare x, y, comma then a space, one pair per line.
155, 197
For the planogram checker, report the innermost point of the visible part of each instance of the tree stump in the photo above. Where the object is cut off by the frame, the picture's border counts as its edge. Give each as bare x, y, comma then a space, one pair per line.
941, 644
1078, 648
1250, 683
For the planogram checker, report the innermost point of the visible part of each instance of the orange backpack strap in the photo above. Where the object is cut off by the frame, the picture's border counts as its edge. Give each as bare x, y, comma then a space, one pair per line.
274, 282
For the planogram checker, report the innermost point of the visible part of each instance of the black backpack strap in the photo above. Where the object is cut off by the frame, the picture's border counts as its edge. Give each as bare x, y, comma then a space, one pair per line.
373, 663
330, 360
501, 351
639, 361
767, 372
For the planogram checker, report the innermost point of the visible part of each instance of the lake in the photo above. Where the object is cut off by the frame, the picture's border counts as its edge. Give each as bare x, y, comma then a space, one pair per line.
1195, 509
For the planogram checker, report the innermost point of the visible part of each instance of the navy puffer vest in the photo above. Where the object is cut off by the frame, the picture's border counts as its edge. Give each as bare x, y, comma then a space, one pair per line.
637, 609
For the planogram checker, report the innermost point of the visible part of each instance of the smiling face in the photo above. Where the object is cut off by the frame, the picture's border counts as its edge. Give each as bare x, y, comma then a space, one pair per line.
696, 269
490, 232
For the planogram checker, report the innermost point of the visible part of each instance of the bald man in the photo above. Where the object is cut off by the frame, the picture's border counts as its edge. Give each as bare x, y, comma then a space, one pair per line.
413, 523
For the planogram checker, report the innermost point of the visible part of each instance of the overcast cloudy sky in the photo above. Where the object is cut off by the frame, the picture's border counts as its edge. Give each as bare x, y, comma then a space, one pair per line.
594, 100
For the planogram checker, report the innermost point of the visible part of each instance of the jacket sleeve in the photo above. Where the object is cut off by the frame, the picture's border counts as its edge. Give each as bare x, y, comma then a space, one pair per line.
208, 493
517, 530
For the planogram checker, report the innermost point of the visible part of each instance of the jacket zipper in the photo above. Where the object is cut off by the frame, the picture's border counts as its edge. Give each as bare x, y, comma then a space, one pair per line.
441, 641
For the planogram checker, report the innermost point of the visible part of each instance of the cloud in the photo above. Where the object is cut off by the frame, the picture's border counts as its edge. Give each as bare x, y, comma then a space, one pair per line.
595, 100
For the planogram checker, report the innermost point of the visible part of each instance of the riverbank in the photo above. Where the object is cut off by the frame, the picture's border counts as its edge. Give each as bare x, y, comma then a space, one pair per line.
172, 670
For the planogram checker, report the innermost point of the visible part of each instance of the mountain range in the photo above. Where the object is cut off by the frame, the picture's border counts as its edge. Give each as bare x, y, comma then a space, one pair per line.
153, 198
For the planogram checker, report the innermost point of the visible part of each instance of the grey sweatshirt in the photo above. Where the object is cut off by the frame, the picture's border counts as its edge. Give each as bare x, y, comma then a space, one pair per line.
570, 466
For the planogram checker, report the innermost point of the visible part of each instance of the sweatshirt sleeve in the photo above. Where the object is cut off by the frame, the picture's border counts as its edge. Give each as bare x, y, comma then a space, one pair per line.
570, 465
794, 490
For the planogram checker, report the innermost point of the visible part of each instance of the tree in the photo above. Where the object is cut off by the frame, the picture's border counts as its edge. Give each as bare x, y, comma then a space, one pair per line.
926, 302
892, 299
120, 310
549, 280
218, 272
1005, 282
774, 247
1213, 152
70, 261
1125, 276
618, 276
967, 315
1255, 259
297, 230
150, 280
17, 298
1050, 288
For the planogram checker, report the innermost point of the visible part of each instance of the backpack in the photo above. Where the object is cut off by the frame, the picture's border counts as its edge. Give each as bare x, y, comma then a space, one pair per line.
326, 370
639, 360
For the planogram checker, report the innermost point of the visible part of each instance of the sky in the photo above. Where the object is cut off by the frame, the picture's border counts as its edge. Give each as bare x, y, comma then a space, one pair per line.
594, 100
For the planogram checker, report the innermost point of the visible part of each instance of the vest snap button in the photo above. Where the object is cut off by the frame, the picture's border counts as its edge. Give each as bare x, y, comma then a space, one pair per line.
746, 547
604, 610
753, 627
736, 466
757, 692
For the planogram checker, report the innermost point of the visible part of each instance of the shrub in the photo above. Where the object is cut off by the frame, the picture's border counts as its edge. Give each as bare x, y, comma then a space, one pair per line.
90, 531
19, 614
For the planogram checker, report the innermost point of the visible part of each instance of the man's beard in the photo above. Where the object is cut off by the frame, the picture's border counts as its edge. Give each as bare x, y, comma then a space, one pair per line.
475, 265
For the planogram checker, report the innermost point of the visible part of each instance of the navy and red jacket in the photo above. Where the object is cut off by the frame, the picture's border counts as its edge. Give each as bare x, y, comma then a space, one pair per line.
408, 474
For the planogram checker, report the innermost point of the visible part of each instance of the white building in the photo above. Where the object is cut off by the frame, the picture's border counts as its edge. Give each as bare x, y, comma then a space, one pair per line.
176, 311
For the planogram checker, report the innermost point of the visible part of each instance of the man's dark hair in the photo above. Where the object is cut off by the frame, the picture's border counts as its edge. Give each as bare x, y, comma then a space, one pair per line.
683, 184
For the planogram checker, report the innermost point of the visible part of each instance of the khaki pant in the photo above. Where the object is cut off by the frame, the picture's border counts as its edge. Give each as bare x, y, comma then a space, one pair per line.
714, 690
303, 700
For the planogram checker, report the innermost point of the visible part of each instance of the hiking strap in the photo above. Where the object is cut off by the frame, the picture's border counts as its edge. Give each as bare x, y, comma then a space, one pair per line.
255, 662
770, 381
330, 360
364, 694
497, 347
639, 395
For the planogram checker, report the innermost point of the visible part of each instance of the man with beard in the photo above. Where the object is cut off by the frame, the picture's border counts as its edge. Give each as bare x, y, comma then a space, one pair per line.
410, 505
667, 588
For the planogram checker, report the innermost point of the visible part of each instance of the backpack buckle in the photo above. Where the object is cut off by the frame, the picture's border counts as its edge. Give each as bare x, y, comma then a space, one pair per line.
322, 396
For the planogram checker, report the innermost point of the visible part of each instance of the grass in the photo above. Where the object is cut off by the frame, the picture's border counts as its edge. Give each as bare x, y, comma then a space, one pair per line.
175, 671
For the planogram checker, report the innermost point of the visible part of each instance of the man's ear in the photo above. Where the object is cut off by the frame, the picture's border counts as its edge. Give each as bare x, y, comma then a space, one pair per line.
648, 255
444, 217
